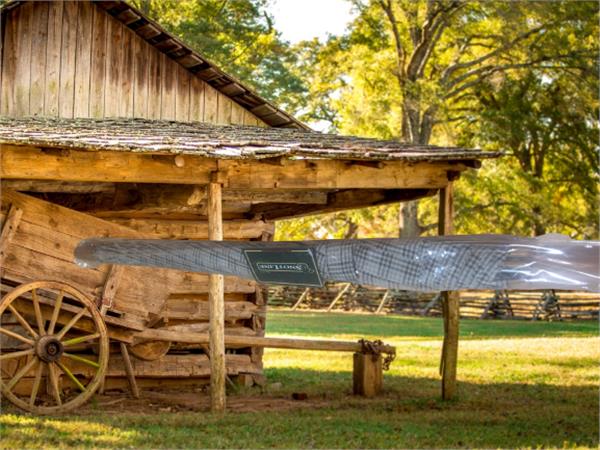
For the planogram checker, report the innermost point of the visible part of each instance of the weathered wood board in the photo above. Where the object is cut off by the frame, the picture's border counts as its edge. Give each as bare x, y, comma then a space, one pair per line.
73, 59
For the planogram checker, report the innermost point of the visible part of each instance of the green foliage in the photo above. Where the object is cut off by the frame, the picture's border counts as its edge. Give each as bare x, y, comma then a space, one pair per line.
517, 77
549, 181
239, 37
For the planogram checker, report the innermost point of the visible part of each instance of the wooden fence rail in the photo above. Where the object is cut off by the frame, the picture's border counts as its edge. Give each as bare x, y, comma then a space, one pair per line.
524, 305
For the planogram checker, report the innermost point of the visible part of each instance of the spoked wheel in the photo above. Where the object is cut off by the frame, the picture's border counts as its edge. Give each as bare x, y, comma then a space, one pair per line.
50, 332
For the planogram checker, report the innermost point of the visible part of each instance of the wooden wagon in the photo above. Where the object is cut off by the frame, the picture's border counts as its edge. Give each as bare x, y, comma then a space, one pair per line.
70, 324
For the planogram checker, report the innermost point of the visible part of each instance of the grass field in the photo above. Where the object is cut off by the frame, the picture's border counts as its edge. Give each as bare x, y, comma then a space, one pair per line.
522, 384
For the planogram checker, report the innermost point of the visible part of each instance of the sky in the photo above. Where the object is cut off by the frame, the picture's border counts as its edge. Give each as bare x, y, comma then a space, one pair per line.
299, 20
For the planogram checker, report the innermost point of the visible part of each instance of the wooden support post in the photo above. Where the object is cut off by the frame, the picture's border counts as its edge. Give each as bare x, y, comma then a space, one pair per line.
450, 305
129, 370
339, 296
216, 300
368, 374
301, 299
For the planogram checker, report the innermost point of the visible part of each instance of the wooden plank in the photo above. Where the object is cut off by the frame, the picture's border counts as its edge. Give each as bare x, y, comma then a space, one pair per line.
9, 61
98, 64
141, 84
195, 309
154, 83
125, 91
66, 99
21, 82
237, 114
83, 55
224, 106
9, 229
189, 229
450, 304
181, 366
182, 100
250, 119
38, 58
22, 162
114, 51
216, 306
210, 104
168, 87
111, 284
53, 58
196, 99
367, 375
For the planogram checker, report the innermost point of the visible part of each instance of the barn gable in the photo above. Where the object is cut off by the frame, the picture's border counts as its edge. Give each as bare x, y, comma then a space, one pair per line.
105, 59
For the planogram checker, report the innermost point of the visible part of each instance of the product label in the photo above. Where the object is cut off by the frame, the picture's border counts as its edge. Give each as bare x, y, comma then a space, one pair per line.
296, 267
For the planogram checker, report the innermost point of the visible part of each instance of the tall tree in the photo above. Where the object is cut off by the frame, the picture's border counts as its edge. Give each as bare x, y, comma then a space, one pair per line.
411, 66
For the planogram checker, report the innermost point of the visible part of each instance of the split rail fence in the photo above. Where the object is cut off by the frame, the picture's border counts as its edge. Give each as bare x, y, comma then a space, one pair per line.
525, 305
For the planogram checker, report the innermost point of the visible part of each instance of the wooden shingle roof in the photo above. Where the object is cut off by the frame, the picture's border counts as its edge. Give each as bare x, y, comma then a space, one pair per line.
217, 141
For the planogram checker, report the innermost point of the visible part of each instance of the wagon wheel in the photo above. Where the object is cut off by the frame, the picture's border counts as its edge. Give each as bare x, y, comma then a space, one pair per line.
56, 322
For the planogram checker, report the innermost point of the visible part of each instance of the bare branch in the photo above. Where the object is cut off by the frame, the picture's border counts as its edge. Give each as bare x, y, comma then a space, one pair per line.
465, 65
432, 31
386, 5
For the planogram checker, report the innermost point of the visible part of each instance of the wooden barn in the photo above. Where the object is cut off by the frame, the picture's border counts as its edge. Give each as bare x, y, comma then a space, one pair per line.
110, 126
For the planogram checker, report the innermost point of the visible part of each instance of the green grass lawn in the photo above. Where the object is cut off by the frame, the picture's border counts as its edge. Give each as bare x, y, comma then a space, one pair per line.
522, 384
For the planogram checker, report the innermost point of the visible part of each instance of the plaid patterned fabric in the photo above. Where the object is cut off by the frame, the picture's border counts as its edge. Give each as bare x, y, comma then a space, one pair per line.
423, 264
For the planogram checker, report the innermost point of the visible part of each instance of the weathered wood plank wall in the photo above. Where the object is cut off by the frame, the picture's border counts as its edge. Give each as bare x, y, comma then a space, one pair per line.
72, 59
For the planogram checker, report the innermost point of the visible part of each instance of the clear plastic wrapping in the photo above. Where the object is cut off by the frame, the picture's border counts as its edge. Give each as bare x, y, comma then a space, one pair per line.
421, 264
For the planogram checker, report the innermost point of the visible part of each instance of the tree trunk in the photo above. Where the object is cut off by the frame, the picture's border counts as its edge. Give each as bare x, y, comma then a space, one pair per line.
409, 220
417, 130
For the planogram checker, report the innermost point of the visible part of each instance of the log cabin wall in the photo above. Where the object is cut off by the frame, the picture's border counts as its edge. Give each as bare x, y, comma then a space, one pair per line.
73, 59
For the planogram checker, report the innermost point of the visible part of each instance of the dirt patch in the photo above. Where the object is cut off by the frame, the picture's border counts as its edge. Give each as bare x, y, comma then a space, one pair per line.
173, 401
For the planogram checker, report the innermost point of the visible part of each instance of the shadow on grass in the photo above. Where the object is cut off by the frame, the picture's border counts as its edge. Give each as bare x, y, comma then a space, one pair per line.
409, 414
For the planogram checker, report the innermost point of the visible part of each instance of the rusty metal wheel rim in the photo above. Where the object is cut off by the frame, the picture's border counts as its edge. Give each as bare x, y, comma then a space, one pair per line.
46, 348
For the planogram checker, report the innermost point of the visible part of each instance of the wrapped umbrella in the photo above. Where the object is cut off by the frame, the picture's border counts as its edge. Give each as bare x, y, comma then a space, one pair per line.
421, 264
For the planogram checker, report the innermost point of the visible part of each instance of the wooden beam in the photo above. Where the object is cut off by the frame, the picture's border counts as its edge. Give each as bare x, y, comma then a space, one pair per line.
450, 304
152, 334
57, 164
216, 299
190, 229
58, 186
340, 201
30, 162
